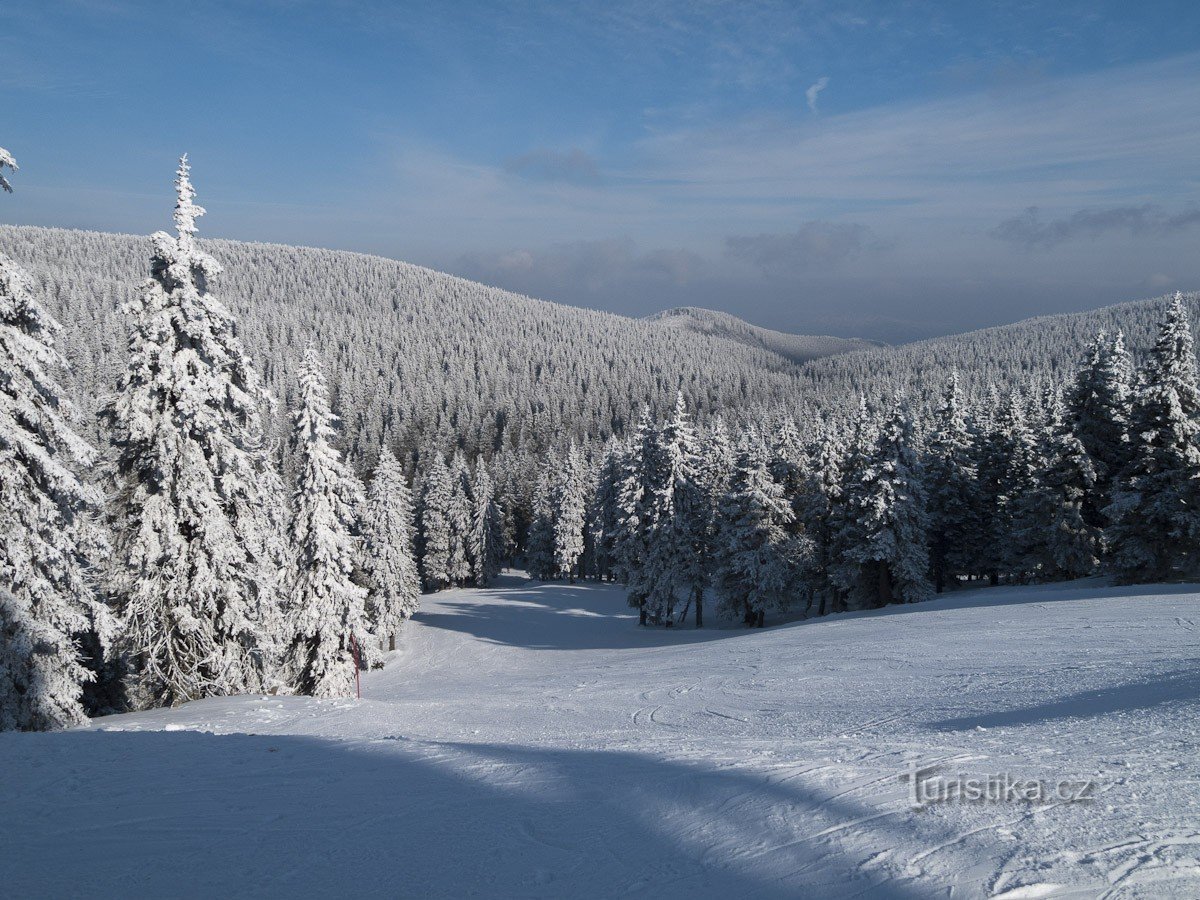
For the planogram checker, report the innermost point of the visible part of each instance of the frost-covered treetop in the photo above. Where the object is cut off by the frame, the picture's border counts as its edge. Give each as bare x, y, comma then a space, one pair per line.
6, 159
186, 211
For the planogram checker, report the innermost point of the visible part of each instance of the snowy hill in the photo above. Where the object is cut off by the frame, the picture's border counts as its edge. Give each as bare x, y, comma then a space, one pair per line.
798, 348
426, 355
530, 740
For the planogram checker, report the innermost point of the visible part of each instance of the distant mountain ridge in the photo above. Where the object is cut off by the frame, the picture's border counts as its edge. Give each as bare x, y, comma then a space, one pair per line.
798, 348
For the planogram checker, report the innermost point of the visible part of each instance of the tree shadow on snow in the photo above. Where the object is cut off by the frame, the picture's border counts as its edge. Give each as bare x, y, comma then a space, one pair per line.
1180, 687
188, 814
560, 616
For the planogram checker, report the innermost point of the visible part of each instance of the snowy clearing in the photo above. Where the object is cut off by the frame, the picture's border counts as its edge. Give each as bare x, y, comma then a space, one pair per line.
530, 740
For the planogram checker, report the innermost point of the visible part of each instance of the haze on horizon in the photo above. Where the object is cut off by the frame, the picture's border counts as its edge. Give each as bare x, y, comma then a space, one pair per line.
859, 169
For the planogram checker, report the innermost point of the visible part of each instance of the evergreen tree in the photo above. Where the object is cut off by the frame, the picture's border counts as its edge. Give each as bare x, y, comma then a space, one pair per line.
954, 521
641, 476
755, 555
818, 508
390, 566
487, 529
1155, 531
569, 507
540, 543
462, 506
887, 560
1064, 543
437, 536
47, 530
679, 551
331, 638
1098, 410
194, 571
603, 513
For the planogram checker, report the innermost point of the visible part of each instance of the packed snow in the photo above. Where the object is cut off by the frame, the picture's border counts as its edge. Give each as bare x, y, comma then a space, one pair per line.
531, 740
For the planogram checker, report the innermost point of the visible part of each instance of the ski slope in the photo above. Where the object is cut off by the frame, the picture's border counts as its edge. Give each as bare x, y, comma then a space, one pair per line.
530, 740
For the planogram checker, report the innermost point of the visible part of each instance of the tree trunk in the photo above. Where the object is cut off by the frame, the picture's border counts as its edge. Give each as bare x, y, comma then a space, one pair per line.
885, 585
939, 579
699, 607
762, 616
392, 641
994, 578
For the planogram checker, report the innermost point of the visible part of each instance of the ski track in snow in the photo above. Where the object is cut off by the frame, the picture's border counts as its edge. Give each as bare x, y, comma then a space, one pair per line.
529, 740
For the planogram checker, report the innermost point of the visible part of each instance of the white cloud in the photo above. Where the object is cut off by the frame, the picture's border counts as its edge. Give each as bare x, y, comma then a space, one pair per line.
814, 91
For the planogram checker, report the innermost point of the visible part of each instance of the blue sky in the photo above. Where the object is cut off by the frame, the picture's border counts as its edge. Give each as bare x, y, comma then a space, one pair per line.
853, 168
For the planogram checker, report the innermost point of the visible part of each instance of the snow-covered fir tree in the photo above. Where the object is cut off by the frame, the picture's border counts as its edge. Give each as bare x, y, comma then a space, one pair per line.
191, 505
817, 510
954, 514
390, 566
1060, 539
540, 542
884, 552
487, 529
328, 615
603, 512
755, 557
462, 506
48, 536
1155, 531
679, 547
570, 503
641, 477
1098, 408
437, 534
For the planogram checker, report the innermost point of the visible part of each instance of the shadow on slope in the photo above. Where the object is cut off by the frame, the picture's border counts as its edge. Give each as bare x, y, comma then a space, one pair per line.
558, 616
195, 814
519, 612
1179, 687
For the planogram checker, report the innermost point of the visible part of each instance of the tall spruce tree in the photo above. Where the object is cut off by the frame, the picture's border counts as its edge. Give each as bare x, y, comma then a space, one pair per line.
330, 629
391, 568
1098, 410
487, 529
570, 503
884, 556
48, 535
755, 555
641, 477
679, 546
193, 568
437, 535
1155, 531
954, 521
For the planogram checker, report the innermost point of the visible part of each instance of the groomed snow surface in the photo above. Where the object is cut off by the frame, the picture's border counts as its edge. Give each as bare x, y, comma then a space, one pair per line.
530, 740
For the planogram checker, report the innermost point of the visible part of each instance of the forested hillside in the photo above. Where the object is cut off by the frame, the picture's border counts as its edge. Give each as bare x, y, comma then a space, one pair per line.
1028, 355
428, 358
798, 348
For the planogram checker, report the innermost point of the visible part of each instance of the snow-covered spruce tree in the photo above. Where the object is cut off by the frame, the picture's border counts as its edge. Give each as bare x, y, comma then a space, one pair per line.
328, 612
391, 569
1057, 537
487, 529
888, 559
462, 505
47, 529
569, 507
716, 467
539, 543
954, 523
603, 512
1098, 412
679, 546
1155, 531
754, 557
641, 476
816, 507
436, 514
193, 568
846, 525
